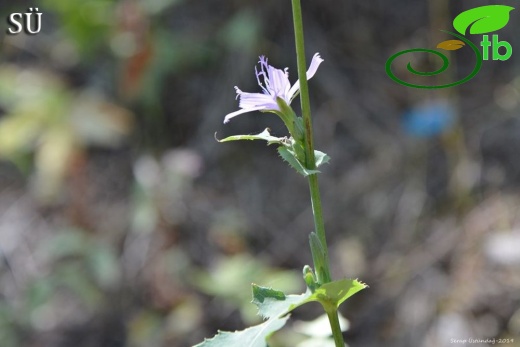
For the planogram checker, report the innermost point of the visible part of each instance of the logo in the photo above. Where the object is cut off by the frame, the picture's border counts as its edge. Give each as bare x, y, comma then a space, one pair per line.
479, 20
25, 22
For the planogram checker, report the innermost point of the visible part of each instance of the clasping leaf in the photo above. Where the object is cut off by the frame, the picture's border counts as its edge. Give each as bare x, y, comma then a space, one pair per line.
290, 156
275, 306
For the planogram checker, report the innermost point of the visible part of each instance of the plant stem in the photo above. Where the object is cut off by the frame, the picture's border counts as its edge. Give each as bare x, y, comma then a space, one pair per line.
311, 164
336, 329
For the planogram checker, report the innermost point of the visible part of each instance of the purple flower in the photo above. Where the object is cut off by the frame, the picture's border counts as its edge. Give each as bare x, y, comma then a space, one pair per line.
275, 84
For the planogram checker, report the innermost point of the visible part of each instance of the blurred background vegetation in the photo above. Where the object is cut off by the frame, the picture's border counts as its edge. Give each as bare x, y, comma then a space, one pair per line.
124, 223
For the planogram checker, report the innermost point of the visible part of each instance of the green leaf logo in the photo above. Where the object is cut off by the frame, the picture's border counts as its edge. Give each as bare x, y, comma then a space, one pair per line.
483, 19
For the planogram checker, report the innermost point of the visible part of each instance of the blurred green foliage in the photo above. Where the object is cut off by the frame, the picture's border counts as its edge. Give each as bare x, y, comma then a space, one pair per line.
46, 121
86, 24
231, 277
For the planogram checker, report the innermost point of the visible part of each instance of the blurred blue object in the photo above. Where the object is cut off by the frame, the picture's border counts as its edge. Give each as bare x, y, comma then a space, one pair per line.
429, 119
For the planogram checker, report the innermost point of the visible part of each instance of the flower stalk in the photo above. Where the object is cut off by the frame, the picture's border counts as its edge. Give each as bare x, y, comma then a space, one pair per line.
310, 160
336, 329
322, 269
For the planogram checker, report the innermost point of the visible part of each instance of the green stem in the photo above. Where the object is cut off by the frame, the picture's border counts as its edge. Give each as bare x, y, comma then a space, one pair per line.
310, 161
319, 225
311, 164
304, 89
336, 329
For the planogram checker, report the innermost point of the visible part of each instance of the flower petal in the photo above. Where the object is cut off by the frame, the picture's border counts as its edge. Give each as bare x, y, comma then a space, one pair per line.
315, 63
278, 82
249, 100
244, 110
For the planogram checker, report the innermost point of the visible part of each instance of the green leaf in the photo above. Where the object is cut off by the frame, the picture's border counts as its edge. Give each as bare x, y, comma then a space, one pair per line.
290, 157
251, 337
335, 293
290, 150
231, 277
275, 306
298, 150
483, 19
321, 158
310, 278
264, 135
318, 258
273, 303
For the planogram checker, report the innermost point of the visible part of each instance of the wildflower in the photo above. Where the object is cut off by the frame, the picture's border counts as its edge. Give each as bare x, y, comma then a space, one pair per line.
275, 88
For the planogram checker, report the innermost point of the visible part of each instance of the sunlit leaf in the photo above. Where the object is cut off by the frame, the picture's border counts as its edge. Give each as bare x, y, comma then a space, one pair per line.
321, 158
264, 135
483, 19
335, 293
250, 337
273, 303
451, 45
269, 301
275, 306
